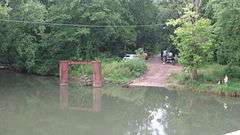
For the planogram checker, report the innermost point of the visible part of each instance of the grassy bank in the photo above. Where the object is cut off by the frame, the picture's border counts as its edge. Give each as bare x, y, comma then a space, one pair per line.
209, 76
114, 70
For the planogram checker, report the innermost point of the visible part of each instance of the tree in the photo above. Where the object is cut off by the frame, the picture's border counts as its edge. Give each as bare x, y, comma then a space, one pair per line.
4, 10
32, 30
225, 15
194, 40
20, 40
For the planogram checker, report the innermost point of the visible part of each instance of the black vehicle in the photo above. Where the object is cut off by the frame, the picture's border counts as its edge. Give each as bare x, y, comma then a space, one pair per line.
167, 57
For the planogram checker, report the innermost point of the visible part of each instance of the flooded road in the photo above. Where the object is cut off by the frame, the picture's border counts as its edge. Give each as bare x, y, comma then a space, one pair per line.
31, 105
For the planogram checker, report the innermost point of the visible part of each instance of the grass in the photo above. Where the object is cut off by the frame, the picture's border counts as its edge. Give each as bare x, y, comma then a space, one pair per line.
124, 71
114, 70
209, 76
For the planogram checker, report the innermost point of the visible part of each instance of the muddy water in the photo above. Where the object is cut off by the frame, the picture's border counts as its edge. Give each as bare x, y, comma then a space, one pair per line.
31, 105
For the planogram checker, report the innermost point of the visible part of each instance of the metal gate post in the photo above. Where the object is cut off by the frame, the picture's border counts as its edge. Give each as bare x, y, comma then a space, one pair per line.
63, 72
97, 74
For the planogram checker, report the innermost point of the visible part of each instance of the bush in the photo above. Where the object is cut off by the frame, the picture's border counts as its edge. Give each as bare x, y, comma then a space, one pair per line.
80, 70
123, 71
233, 71
114, 70
181, 78
214, 72
210, 75
230, 87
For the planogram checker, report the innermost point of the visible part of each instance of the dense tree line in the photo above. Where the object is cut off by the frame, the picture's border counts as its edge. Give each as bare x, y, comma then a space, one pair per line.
208, 32
226, 20
35, 39
36, 34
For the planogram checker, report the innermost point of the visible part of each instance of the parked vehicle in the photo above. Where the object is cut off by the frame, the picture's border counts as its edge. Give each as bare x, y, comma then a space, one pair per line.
167, 57
130, 56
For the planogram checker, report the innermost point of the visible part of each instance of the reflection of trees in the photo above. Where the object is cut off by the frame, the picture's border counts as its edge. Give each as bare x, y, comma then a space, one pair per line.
184, 113
199, 114
138, 109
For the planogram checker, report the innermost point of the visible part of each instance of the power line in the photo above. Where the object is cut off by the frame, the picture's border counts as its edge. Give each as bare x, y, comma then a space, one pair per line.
80, 25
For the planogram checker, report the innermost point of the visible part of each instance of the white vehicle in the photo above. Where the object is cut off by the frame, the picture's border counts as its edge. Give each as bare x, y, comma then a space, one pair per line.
130, 57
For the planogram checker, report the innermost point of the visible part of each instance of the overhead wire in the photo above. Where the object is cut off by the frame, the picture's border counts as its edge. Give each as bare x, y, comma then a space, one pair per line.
79, 25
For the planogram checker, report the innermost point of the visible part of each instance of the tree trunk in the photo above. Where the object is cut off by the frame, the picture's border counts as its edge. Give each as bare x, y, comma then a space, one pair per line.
194, 74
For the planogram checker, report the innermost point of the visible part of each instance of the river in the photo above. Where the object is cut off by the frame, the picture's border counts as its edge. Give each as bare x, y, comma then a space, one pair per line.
33, 105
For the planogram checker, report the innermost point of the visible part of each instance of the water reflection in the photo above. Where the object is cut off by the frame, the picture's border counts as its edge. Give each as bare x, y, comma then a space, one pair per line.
65, 98
157, 124
31, 105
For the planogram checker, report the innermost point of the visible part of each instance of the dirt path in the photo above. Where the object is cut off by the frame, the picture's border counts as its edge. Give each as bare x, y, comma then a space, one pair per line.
157, 74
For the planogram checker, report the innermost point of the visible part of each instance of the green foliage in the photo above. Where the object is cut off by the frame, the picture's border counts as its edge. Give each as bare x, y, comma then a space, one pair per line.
37, 48
193, 39
140, 53
229, 88
210, 75
213, 72
225, 14
114, 70
233, 71
123, 71
20, 42
81, 71
4, 11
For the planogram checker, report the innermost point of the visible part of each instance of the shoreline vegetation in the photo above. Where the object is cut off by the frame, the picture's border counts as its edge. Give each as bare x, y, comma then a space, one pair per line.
208, 82
114, 71
119, 72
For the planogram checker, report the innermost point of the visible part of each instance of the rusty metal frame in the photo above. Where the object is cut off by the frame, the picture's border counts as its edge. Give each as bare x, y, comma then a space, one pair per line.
96, 66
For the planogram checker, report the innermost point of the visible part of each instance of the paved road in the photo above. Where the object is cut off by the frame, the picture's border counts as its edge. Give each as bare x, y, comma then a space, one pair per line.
157, 74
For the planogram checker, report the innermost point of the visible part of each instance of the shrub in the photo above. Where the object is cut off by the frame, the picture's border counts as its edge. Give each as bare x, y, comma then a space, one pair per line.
181, 78
123, 71
215, 72
113, 71
80, 70
233, 71
140, 53
210, 75
230, 87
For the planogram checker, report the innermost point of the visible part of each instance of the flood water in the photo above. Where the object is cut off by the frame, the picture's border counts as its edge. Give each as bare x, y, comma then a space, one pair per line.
31, 105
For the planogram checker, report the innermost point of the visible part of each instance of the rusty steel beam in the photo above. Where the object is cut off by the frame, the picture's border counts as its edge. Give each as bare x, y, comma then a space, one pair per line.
97, 74
63, 72
80, 62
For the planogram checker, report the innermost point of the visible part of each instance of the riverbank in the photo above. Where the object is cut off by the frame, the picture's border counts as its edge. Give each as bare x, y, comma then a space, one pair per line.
115, 71
11, 67
210, 81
